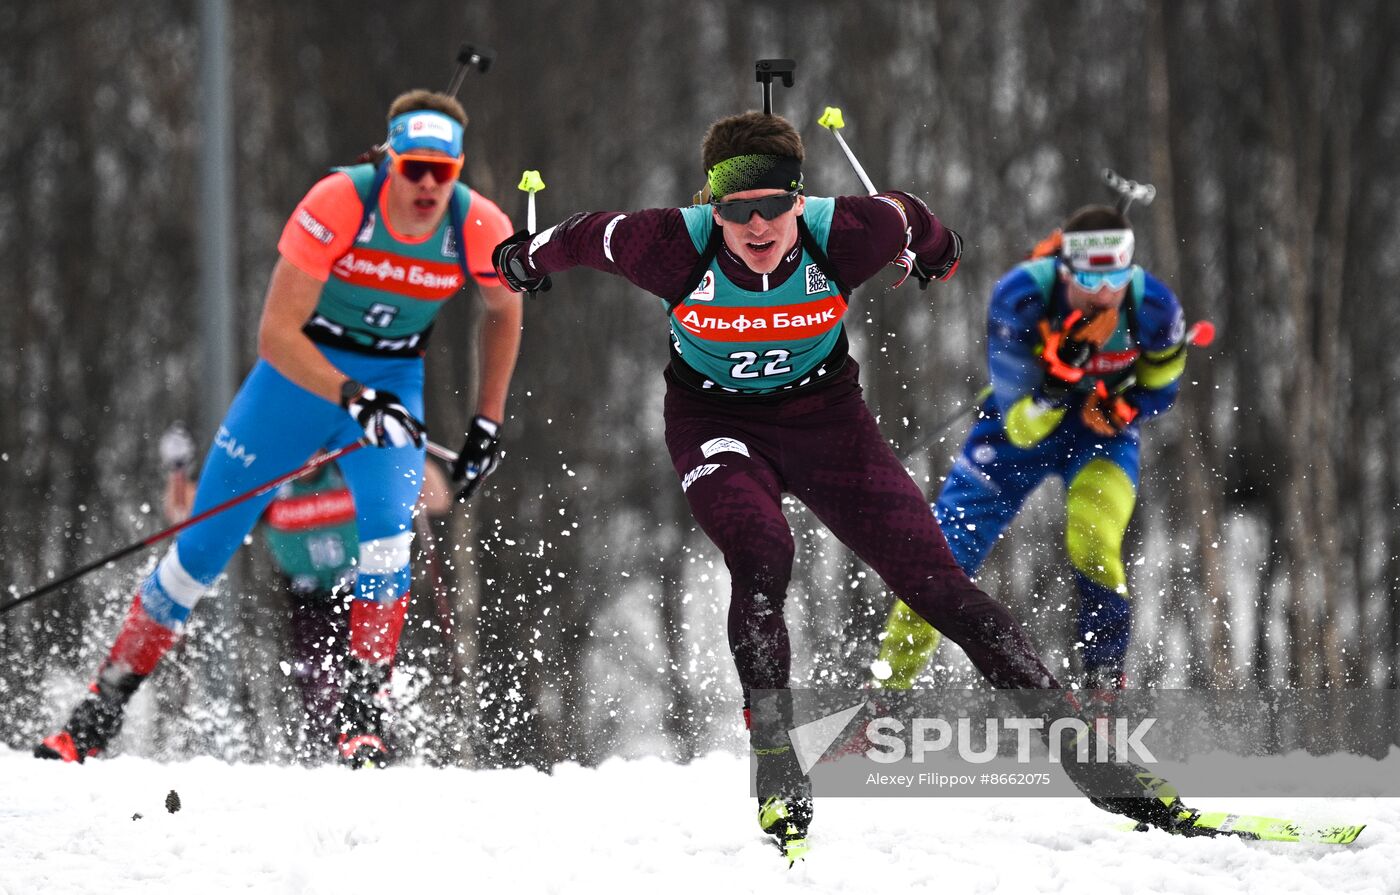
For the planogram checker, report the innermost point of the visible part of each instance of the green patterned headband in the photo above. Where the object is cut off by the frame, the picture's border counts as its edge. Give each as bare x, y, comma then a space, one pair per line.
755, 172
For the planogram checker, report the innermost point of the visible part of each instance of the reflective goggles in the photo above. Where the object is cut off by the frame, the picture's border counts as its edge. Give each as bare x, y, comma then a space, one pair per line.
1097, 280
412, 167
738, 211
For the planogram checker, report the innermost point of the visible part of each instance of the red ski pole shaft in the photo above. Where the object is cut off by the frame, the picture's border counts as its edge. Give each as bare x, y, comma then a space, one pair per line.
310, 465
442, 453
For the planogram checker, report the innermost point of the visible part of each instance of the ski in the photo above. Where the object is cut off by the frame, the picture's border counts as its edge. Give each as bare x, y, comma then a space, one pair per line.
1262, 829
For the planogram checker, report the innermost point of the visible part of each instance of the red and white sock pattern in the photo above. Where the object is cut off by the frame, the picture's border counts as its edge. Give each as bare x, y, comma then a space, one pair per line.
140, 643
375, 629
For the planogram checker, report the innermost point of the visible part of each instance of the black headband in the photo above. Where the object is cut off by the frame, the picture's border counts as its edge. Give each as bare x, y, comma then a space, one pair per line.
755, 172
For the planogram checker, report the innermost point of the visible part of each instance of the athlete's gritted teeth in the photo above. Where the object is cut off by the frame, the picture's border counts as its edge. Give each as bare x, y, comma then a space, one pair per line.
759, 248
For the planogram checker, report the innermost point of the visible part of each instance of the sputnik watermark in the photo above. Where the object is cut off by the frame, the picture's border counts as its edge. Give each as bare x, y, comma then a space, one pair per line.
892, 740
954, 743
929, 735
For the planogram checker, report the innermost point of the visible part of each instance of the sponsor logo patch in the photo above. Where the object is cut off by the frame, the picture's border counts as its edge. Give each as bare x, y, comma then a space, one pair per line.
540, 239
760, 324
1098, 249
1178, 330
395, 273
706, 290
721, 445
319, 231
607, 237
367, 231
311, 511
1110, 361
225, 442
816, 281
698, 472
433, 127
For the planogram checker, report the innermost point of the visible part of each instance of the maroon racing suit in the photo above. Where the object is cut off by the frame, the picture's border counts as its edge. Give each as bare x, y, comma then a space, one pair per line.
817, 442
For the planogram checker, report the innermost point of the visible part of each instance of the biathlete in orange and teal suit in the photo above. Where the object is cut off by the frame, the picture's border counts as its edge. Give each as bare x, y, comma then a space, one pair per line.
368, 258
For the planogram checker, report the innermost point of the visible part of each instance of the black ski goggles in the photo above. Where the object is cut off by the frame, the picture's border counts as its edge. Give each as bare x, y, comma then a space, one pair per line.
738, 211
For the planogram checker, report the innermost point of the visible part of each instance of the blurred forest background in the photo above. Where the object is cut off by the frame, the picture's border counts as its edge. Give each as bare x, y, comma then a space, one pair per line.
580, 613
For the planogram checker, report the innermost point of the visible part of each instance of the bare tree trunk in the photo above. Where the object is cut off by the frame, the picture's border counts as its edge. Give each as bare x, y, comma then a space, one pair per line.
1296, 155
678, 718
1329, 445
1202, 502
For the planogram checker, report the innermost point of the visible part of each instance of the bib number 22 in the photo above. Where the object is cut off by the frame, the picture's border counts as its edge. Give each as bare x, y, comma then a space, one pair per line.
750, 365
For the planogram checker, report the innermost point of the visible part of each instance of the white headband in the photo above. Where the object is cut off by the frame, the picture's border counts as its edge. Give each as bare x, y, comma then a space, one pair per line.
1098, 249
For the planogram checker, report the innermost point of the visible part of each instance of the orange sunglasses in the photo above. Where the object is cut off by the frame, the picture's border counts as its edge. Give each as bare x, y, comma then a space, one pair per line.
413, 167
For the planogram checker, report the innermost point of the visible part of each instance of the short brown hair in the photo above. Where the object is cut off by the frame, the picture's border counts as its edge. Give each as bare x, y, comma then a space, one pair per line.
1096, 217
418, 100
752, 133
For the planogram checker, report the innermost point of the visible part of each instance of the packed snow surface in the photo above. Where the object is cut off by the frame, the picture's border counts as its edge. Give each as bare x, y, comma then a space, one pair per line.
627, 826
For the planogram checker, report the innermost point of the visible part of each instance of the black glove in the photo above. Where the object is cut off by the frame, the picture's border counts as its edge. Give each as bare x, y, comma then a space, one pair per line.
513, 267
944, 269
387, 423
479, 457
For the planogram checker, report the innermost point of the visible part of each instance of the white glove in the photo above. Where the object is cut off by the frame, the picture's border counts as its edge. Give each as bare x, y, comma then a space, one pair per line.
387, 423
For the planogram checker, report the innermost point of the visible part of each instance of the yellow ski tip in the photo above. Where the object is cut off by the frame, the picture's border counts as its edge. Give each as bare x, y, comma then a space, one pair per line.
832, 118
796, 850
530, 182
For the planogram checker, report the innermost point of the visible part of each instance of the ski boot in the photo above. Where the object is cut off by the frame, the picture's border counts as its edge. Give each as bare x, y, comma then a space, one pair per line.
1161, 807
786, 817
784, 792
360, 719
95, 720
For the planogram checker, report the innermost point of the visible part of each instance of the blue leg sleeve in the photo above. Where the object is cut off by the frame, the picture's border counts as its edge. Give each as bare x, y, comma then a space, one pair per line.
984, 491
272, 427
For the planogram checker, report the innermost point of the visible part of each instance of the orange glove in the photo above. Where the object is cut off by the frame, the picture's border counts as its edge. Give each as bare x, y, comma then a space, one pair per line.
1066, 350
1106, 414
1096, 330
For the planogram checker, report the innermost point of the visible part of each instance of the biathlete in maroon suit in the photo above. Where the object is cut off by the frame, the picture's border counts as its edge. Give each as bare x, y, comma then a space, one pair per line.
763, 399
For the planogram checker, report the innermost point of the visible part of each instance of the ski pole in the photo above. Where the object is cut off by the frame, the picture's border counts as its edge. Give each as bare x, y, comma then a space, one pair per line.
442, 453
314, 463
942, 425
833, 120
1201, 334
530, 183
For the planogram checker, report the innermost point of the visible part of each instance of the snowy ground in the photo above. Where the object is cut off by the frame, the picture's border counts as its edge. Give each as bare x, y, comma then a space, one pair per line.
628, 826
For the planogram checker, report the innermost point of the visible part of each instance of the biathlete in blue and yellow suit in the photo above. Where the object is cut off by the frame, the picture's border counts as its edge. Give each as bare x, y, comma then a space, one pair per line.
368, 258
1082, 346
